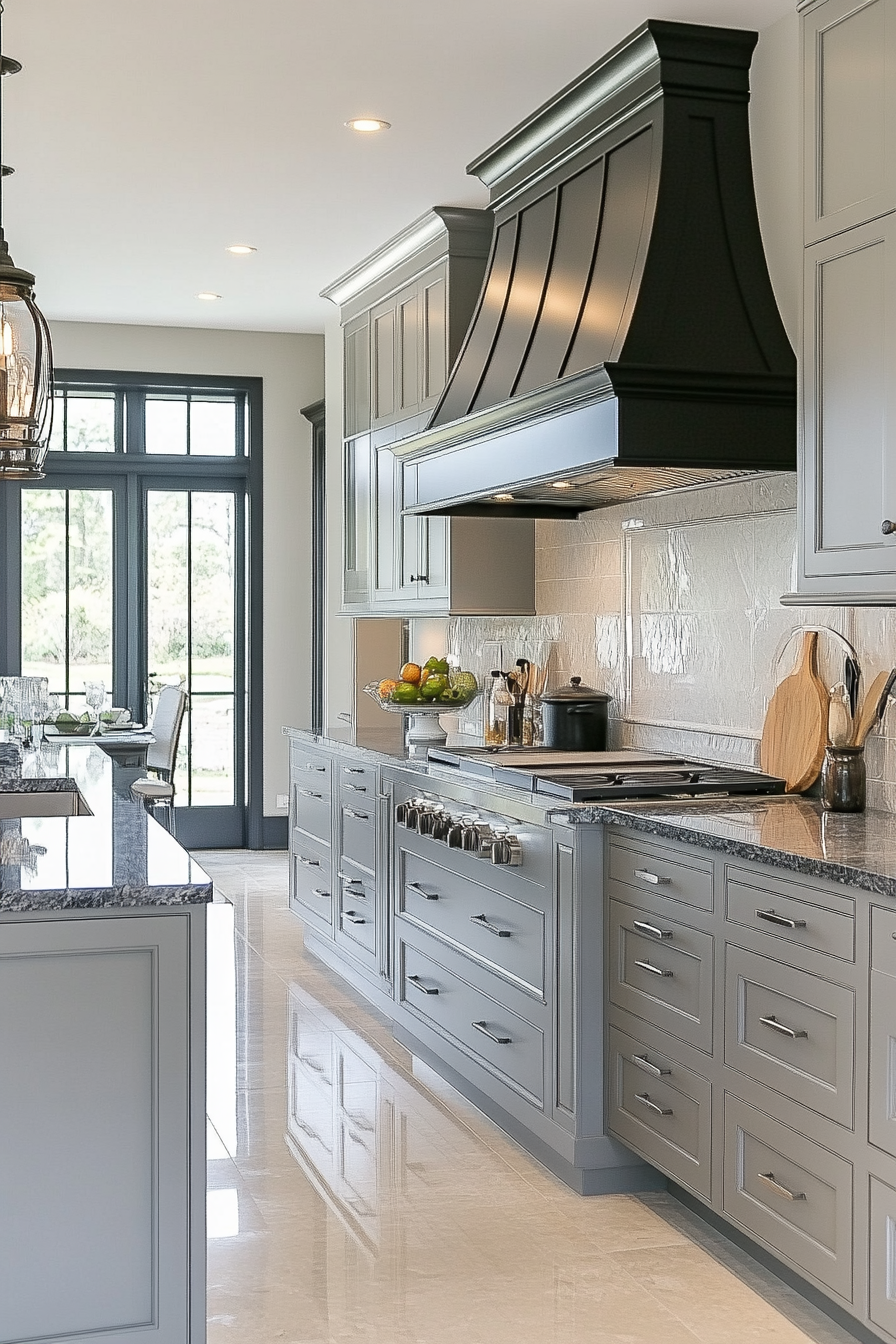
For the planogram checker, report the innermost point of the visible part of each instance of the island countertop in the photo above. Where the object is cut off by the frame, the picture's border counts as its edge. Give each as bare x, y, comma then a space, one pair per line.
118, 857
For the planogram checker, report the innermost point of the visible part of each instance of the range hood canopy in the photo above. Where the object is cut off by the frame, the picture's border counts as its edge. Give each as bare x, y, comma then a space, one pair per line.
627, 339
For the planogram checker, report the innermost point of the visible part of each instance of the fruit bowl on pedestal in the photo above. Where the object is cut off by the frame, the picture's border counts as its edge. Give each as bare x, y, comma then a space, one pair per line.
424, 729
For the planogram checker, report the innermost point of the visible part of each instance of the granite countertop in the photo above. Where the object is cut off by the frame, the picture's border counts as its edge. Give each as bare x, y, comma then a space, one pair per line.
118, 857
858, 849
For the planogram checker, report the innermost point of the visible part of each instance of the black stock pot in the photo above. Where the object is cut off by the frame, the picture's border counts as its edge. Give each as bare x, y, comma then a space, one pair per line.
574, 718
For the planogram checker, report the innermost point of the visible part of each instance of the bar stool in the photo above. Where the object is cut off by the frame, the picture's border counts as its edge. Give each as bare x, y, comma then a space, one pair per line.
162, 754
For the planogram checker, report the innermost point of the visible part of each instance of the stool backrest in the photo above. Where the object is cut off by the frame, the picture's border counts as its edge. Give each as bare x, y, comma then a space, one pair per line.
166, 725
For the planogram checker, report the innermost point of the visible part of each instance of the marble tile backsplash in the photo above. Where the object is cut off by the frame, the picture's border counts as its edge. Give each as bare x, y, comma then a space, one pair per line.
672, 605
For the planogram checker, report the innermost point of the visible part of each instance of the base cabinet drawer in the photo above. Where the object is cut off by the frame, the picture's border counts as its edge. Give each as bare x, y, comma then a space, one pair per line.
662, 970
793, 917
665, 872
792, 1031
359, 833
312, 809
882, 1256
662, 1110
793, 1195
311, 888
357, 915
495, 1036
882, 1063
500, 932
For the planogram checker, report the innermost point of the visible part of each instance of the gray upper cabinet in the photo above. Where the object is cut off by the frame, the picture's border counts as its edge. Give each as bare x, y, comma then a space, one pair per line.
850, 104
405, 312
848, 483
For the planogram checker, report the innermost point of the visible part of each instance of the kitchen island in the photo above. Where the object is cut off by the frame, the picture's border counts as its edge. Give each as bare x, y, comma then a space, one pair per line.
102, 1057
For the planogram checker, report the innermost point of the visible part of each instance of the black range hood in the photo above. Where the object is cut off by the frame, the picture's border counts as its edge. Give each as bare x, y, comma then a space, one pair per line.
627, 339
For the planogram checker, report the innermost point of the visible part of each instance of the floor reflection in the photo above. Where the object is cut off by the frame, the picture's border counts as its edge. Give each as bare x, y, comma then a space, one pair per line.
355, 1196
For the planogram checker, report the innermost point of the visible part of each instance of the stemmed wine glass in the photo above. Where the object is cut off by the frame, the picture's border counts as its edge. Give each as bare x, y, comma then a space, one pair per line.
95, 696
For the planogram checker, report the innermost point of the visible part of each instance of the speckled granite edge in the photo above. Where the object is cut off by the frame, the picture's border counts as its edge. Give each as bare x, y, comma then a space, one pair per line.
104, 898
58, 784
833, 870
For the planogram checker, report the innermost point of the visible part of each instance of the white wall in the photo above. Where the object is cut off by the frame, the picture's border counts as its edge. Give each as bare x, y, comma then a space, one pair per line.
338, 697
292, 367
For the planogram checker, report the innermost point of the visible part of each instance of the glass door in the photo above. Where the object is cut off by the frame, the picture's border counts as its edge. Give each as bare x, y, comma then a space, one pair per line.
195, 636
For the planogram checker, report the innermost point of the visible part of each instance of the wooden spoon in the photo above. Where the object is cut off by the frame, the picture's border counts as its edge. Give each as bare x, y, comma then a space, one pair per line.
873, 706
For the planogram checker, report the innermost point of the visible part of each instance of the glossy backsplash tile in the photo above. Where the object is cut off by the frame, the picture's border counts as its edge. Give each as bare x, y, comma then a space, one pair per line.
672, 605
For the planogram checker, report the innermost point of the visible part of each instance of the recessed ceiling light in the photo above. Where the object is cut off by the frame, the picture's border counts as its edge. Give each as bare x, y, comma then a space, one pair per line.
241, 249
368, 124
502, 499
208, 296
561, 485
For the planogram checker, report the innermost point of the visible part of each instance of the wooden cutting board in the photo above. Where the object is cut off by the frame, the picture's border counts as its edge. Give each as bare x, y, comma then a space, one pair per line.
796, 724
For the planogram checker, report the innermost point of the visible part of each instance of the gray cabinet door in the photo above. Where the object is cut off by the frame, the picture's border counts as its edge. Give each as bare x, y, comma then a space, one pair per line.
433, 355
383, 362
849, 477
95, 1057
882, 1065
356, 514
849, 52
882, 1260
356, 376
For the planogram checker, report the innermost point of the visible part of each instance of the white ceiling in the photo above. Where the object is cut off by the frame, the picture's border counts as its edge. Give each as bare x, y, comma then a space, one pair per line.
147, 135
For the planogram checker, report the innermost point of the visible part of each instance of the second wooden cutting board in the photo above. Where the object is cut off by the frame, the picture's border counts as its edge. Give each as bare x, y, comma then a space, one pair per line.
796, 724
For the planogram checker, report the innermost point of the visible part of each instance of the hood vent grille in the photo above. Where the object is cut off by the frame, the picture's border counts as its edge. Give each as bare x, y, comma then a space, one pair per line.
627, 296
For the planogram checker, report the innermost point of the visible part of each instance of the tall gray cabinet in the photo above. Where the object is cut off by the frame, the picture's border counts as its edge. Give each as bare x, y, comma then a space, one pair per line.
405, 311
848, 480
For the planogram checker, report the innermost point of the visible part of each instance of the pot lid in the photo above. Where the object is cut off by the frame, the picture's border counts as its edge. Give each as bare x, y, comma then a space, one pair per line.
575, 691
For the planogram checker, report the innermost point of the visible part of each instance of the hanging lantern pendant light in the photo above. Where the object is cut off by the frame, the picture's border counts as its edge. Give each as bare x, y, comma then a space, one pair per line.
26, 358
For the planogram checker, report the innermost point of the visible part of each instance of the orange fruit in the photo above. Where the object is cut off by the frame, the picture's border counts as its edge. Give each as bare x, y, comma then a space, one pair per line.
411, 672
386, 687
424, 677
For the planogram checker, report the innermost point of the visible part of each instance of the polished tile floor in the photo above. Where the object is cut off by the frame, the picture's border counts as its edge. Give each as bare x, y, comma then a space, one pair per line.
352, 1195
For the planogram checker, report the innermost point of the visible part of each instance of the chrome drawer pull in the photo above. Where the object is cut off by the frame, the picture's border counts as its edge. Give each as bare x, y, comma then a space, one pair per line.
651, 929
653, 878
357, 788
352, 770
768, 1178
772, 918
308, 863
642, 1062
324, 895
349, 881
427, 895
418, 984
651, 1105
654, 970
309, 793
359, 816
483, 1027
357, 893
318, 769
781, 1029
485, 923
353, 917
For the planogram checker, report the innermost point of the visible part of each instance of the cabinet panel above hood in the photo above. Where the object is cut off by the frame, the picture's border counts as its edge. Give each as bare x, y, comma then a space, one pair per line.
627, 338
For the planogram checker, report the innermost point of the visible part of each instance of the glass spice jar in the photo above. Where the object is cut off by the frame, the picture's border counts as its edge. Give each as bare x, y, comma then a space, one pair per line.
843, 779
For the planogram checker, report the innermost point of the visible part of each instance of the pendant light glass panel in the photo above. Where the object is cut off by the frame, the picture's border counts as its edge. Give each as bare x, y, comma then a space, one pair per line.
26, 403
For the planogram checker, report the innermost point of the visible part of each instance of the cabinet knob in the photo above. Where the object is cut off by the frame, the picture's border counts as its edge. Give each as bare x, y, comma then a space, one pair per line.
887, 527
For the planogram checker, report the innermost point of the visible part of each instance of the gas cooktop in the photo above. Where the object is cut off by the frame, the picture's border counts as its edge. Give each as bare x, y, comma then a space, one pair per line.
580, 777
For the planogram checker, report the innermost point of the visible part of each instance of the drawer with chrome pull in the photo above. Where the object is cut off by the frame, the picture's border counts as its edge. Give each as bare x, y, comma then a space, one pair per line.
356, 917
307, 763
503, 934
310, 887
791, 1031
485, 1030
662, 970
793, 1195
661, 1109
311, 806
357, 783
787, 911
359, 831
883, 940
672, 873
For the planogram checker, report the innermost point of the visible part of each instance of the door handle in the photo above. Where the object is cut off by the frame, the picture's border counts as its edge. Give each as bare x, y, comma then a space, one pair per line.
483, 1028
359, 816
642, 1062
771, 917
651, 929
485, 923
645, 1100
418, 984
768, 1178
645, 875
352, 917
357, 788
654, 970
318, 891
309, 793
427, 895
308, 863
782, 1029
